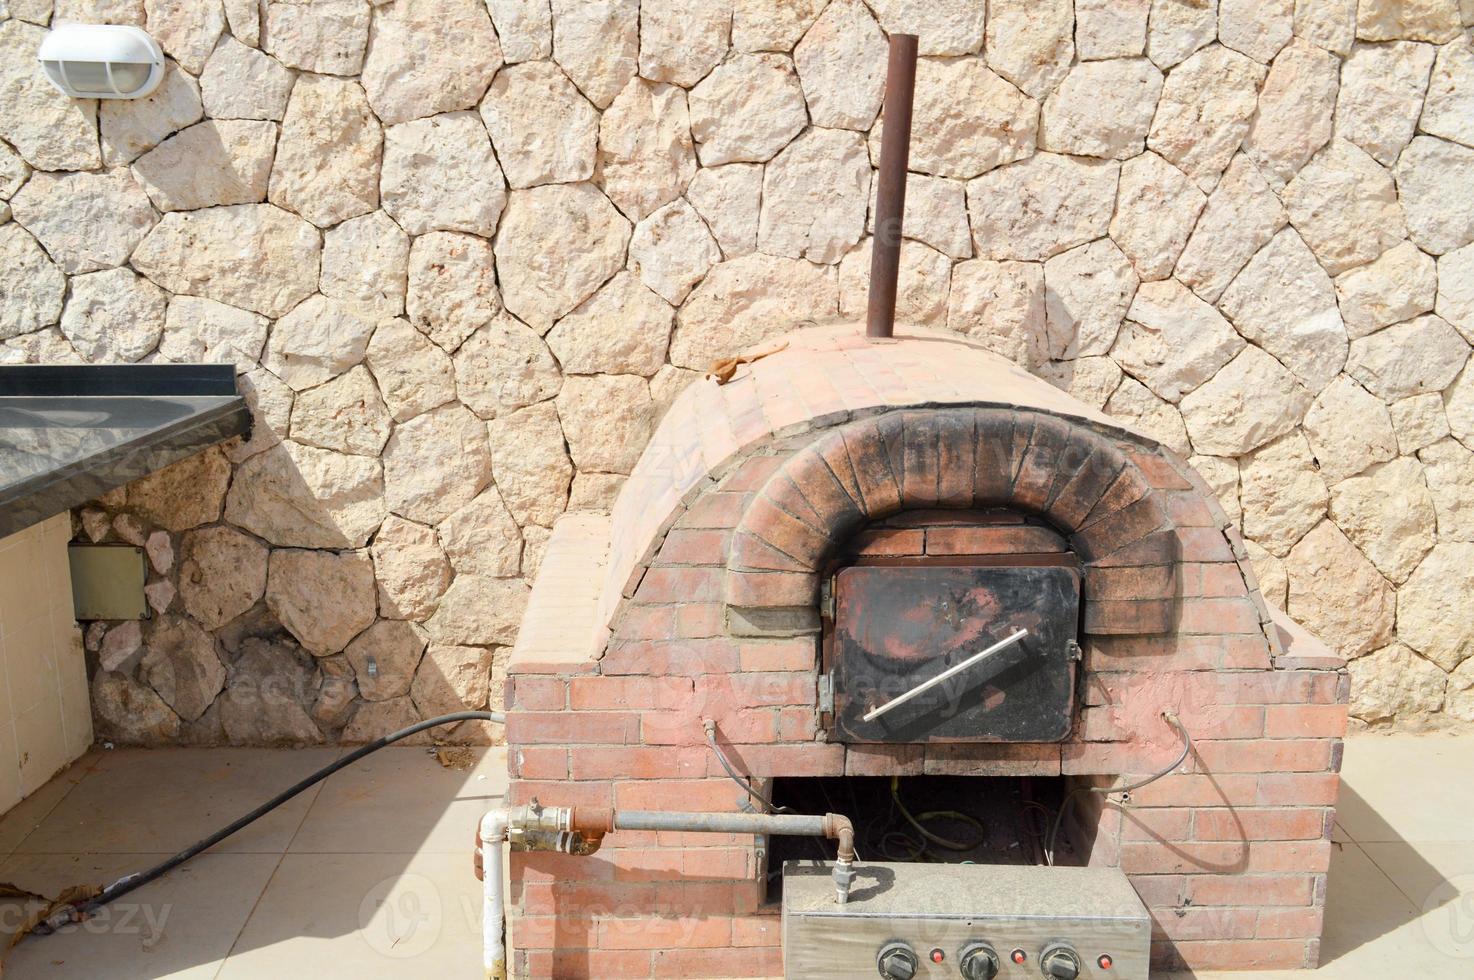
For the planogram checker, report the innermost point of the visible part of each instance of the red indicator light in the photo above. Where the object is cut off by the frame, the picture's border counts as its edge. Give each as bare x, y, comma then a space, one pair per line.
1105, 962
938, 956
1019, 956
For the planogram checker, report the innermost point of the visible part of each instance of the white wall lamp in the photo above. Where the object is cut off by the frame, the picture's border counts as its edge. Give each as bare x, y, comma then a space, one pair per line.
102, 61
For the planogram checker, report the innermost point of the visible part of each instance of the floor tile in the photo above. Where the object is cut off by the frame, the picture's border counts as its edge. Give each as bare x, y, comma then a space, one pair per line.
1407, 788
179, 926
137, 800
410, 908
402, 801
1371, 931
1438, 878
364, 916
23, 818
1361, 904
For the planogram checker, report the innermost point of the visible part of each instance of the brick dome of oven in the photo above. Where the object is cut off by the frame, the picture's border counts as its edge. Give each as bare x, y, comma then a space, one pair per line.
968, 408
715, 592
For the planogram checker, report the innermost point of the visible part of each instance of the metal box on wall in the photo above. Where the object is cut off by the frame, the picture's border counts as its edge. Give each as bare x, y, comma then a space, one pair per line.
107, 581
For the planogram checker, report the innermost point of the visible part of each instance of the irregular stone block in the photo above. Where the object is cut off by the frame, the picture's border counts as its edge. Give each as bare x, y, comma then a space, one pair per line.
747, 109
1338, 594
597, 43
209, 164
113, 316
254, 256
414, 375
814, 197
435, 463
645, 151
327, 161
345, 415
322, 598
86, 221
182, 666
1205, 112
503, 367
1001, 305
317, 341
1382, 88
557, 246
1041, 206
298, 496
222, 573
1250, 401
410, 569
1345, 207
440, 175
1172, 341
1388, 514
543, 130
1349, 430
1284, 302
429, 56
624, 328
1102, 109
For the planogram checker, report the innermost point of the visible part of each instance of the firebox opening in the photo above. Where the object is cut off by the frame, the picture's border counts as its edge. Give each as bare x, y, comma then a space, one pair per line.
962, 819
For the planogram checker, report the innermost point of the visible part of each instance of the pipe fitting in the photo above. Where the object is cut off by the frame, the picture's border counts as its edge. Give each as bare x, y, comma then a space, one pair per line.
840, 829
534, 827
844, 876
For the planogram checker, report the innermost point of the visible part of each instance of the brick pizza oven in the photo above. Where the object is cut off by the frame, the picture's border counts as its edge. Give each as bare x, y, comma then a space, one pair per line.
796, 548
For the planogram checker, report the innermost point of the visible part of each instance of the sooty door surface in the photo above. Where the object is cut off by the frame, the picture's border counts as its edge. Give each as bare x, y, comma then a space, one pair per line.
896, 627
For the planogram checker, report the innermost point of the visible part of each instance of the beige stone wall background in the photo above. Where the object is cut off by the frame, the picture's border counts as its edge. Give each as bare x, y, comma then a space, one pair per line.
463, 252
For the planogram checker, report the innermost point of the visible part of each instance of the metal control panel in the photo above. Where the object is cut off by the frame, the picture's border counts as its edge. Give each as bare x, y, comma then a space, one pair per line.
978, 922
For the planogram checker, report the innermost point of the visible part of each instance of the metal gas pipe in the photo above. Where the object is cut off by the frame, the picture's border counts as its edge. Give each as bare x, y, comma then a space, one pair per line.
580, 830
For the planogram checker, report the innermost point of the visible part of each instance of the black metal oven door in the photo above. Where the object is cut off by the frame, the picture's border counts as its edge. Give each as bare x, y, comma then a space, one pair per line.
897, 627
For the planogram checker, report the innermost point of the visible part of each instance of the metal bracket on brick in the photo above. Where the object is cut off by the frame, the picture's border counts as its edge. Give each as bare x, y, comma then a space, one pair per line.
826, 693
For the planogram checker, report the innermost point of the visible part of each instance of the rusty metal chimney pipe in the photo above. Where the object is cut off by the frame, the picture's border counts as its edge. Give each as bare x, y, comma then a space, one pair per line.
890, 194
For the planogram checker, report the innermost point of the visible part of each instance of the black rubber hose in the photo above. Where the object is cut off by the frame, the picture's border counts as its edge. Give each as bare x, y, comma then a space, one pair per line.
1125, 791
746, 784
126, 884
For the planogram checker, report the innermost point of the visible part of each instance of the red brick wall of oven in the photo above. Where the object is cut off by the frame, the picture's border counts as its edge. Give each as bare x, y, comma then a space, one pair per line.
1229, 853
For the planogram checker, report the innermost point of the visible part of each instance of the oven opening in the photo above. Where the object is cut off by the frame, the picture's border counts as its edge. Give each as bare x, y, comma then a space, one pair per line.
927, 819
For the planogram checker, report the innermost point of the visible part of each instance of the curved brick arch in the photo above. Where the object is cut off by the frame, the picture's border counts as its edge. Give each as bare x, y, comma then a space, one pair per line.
1110, 498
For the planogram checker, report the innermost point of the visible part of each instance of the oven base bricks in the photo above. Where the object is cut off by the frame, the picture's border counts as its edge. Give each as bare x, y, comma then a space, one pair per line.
700, 600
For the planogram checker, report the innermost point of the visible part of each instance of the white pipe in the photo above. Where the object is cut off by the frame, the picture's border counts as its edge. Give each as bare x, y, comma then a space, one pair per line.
493, 834
533, 820
927, 685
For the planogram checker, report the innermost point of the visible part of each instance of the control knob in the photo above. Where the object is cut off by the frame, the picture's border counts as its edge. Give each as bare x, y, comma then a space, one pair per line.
897, 961
1059, 962
978, 962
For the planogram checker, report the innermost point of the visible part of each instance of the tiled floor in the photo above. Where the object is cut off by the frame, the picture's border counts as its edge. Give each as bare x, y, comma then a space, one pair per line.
367, 875
1400, 901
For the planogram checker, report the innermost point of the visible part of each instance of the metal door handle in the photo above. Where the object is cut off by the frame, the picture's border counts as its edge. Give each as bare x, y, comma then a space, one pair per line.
952, 671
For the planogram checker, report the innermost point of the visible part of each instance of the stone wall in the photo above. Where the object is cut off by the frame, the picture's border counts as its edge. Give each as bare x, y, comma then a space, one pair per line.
463, 254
